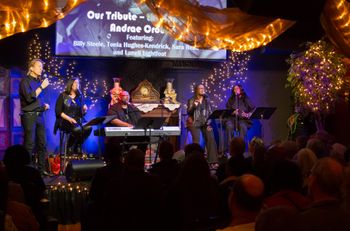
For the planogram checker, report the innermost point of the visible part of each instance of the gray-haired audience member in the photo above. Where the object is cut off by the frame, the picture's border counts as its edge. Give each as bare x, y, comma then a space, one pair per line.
305, 159
326, 212
318, 147
245, 202
338, 151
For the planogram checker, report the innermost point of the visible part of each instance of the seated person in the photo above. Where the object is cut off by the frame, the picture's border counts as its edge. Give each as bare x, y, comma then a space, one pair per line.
127, 115
70, 110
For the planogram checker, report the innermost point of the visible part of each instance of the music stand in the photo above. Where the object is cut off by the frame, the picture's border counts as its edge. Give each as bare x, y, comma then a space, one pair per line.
100, 121
262, 113
220, 114
149, 123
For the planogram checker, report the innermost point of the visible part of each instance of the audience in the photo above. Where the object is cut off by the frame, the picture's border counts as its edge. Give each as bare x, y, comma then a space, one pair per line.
16, 213
245, 202
16, 160
318, 147
168, 168
237, 165
113, 169
257, 149
339, 152
92, 215
133, 199
346, 188
193, 200
280, 218
296, 186
326, 212
301, 141
286, 186
291, 148
305, 159
193, 148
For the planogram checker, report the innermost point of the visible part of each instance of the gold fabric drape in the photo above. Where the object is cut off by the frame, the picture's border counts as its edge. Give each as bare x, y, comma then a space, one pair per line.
335, 20
208, 27
23, 15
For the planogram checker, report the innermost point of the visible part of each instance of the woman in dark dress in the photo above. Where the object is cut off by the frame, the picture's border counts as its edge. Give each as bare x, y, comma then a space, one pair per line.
70, 110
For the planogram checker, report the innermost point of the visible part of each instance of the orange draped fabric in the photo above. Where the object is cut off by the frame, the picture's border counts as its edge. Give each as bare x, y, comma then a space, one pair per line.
23, 15
213, 28
335, 20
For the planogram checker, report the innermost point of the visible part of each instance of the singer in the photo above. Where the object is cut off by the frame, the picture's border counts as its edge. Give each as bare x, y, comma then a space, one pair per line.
70, 110
198, 110
243, 108
127, 115
32, 107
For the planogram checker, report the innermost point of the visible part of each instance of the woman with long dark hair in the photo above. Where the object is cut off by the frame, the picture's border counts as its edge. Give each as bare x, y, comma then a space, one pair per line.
70, 110
243, 107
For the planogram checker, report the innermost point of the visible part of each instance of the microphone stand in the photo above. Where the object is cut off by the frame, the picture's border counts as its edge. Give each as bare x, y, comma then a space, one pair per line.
236, 117
81, 122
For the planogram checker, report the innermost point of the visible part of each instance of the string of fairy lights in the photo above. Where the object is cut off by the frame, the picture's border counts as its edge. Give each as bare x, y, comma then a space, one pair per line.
225, 76
316, 76
79, 188
58, 71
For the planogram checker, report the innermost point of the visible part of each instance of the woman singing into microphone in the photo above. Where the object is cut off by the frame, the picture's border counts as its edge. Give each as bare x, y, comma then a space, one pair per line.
243, 108
70, 110
198, 111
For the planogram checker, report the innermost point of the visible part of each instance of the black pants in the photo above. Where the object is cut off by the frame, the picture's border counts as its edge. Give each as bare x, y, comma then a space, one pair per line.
242, 128
209, 141
77, 136
35, 136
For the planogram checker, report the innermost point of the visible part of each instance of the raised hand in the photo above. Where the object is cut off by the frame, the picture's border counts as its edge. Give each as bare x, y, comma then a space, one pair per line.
45, 83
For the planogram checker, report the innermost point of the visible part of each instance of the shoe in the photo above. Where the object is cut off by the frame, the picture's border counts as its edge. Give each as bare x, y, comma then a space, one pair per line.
45, 173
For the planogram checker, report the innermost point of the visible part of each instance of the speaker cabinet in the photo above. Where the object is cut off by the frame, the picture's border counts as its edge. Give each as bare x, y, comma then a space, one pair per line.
82, 170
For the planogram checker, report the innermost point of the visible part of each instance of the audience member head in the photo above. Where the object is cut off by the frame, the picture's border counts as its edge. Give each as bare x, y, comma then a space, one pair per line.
291, 148
237, 147
195, 170
326, 179
325, 137
135, 160
16, 156
285, 175
194, 147
305, 159
274, 143
113, 153
277, 219
247, 195
255, 143
275, 153
166, 150
318, 147
301, 141
257, 149
179, 156
338, 152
